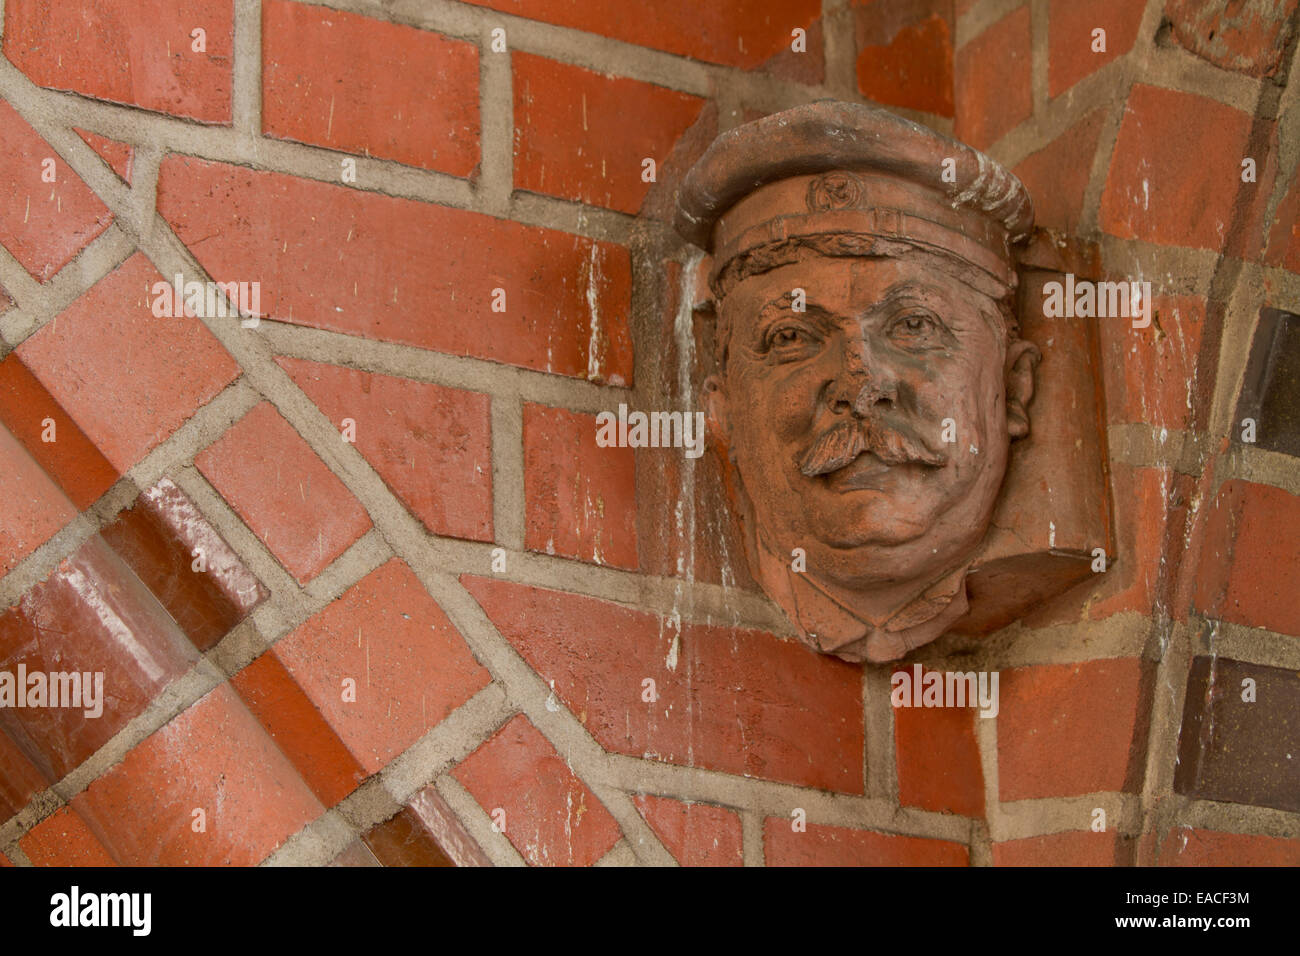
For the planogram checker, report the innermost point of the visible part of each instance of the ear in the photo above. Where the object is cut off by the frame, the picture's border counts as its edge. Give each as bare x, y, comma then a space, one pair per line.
717, 410
1022, 362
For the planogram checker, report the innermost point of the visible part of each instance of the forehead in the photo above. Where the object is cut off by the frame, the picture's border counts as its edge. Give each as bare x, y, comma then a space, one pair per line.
844, 285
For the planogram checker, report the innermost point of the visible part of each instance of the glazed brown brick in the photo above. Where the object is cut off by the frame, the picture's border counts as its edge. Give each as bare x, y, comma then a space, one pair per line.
938, 759
1188, 846
696, 834
160, 537
992, 81
579, 498
1249, 573
1071, 848
32, 507
432, 445
360, 85
905, 54
42, 224
63, 839
302, 512
743, 33
410, 665
403, 840
823, 845
298, 728
1070, 729
91, 615
213, 757
1153, 193
1237, 751
72, 458
1270, 389
738, 701
566, 297
551, 816
1070, 40
572, 135
137, 52
127, 378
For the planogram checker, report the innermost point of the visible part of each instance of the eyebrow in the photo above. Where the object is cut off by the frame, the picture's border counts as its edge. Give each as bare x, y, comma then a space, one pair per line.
907, 288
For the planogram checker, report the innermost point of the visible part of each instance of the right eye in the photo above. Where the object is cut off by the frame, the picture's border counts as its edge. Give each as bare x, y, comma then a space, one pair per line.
789, 341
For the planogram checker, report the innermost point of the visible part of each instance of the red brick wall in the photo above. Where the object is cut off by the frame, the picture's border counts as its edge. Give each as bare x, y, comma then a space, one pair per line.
432, 603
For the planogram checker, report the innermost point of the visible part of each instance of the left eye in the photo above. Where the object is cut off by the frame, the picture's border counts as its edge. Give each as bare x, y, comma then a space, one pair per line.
917, 330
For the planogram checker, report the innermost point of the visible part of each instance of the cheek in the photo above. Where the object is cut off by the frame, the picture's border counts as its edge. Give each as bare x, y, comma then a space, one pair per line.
777, 402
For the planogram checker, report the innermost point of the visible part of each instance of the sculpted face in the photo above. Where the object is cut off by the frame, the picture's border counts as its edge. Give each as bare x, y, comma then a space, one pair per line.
872, 428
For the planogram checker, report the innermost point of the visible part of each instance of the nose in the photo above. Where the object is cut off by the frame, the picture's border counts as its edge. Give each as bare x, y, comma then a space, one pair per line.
863, 386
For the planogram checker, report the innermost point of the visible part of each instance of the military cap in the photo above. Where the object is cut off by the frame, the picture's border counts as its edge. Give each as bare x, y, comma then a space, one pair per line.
850, 179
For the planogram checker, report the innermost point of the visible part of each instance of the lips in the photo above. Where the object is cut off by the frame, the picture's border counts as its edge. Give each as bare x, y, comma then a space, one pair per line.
864, 472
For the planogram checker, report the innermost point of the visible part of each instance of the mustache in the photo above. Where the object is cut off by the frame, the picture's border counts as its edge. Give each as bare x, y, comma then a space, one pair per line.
839, 445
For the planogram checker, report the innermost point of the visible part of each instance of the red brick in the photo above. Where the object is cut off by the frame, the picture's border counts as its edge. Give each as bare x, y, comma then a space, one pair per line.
912, 67
63, 839
137, 52
1070, 39
1057, 175
1153, 193
90, 615
838, 846
552, 817
1071, 848
992, 81
1248, 37
1284, 238
126, 378
4, 860
348, 82
19, 780
72, 458
159, 538
1249, 568
432, 445
298, 507
1143, 502
733, 700
411, 666
1186, 846
119, 156
743, 33
298, 728
939, 765
213, 757
42, 224
257, 226
696, 834
572, 135
579, 498
1070, 729
1150, 373
32, 508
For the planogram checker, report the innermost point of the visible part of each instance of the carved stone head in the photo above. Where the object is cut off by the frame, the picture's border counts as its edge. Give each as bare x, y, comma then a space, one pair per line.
869, 374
